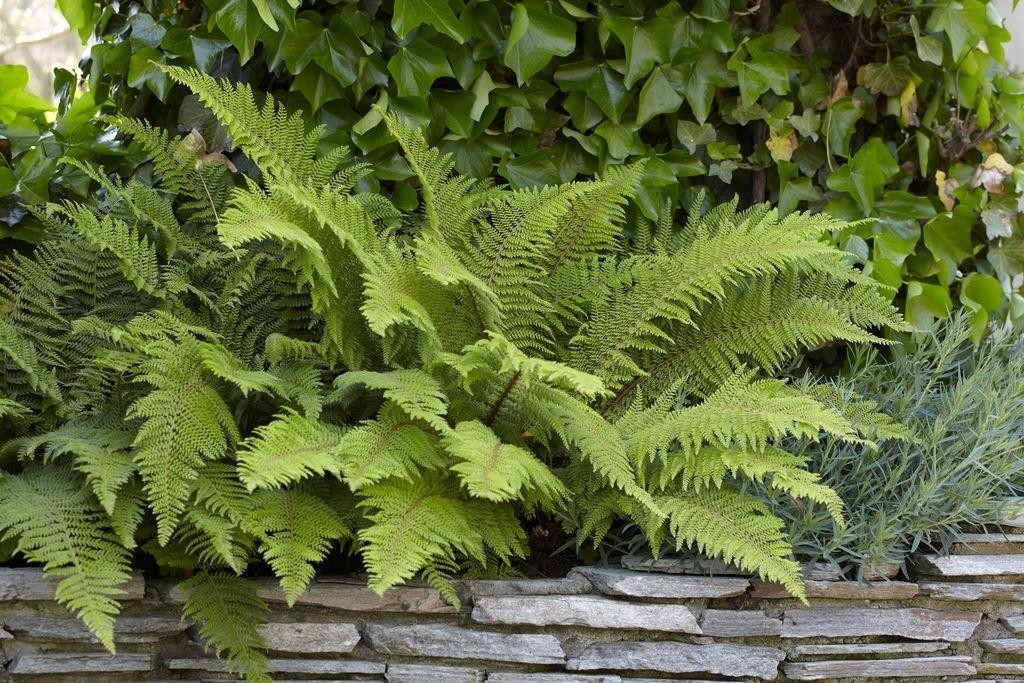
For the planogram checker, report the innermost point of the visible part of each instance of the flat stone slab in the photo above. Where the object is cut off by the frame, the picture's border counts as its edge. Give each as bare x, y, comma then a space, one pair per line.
574, 584
356, 597
728, 623
913, 623
969, 592
311, 637
29, 584
32, 626
867, 648
323, 667
677, 565
509, 677
1014, 623
737, 661
839, 590
594, 611
80, 663
1004, 646
880, 668
999, 669
970, 565
455, 642
426, 673
988, 544
636, 584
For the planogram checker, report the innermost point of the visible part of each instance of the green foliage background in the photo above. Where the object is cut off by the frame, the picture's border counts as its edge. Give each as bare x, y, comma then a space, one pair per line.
848, 106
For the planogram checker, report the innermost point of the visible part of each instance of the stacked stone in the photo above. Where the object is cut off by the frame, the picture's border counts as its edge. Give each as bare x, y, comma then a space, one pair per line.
646, 621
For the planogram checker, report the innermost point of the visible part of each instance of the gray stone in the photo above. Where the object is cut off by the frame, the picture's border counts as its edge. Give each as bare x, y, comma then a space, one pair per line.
325, 667
998, 669
636, 584
455, 642
1004, 646
914, 623
969, 592
868, 648
729, 623
4, 635
574, 584
679, 565
839, 590
970, 565
988, 544
880, 668
30, 585
1015, 623
595, 611
509, 677
311, 637
67, 629
80, 663
679, 658
425, 673
357, 597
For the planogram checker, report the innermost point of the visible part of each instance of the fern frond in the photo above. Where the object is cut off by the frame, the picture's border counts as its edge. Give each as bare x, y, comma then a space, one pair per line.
56, 523
738, 528
295, 529
393, 445
413, 523
185, 424
274, 139
497, 471
229, 614
136, 255
416, 392
290, 449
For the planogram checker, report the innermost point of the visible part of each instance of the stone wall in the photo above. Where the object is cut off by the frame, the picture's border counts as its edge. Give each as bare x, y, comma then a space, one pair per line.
960, 619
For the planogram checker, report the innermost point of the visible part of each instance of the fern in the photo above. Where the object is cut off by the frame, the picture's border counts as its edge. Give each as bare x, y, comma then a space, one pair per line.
229, 614
286, 367
57, 523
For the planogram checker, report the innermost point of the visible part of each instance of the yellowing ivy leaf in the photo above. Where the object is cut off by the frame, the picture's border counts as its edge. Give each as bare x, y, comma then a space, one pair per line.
781, 147
946, 186
992, 172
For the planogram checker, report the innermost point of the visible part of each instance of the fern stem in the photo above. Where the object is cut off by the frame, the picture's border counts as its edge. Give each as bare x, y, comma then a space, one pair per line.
502, 397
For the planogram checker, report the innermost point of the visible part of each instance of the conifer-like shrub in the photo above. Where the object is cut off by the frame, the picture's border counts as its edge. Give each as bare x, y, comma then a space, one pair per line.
218, 375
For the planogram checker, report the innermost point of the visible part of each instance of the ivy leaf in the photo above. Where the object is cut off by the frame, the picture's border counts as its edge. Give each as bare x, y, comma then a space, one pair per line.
888, 78
929, 48
482, 89
962, 22
335, 50
80, 15
657, 97
241, 22
926, 302
646, 44
948, 238
870, 169
408, 14
600, 82
317, 86
982, 295
416, 66
692, 135
144, 72
696, 74
838, 124
534, 38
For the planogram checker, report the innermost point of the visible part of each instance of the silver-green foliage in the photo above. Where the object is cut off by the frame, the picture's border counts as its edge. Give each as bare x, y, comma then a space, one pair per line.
914, 488
217, 374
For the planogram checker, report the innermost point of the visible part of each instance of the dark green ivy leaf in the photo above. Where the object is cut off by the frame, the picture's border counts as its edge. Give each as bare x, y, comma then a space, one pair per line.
416, 66
408, 14
534, 38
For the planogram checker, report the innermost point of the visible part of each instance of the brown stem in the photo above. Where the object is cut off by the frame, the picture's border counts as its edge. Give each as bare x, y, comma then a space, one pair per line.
502, 397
